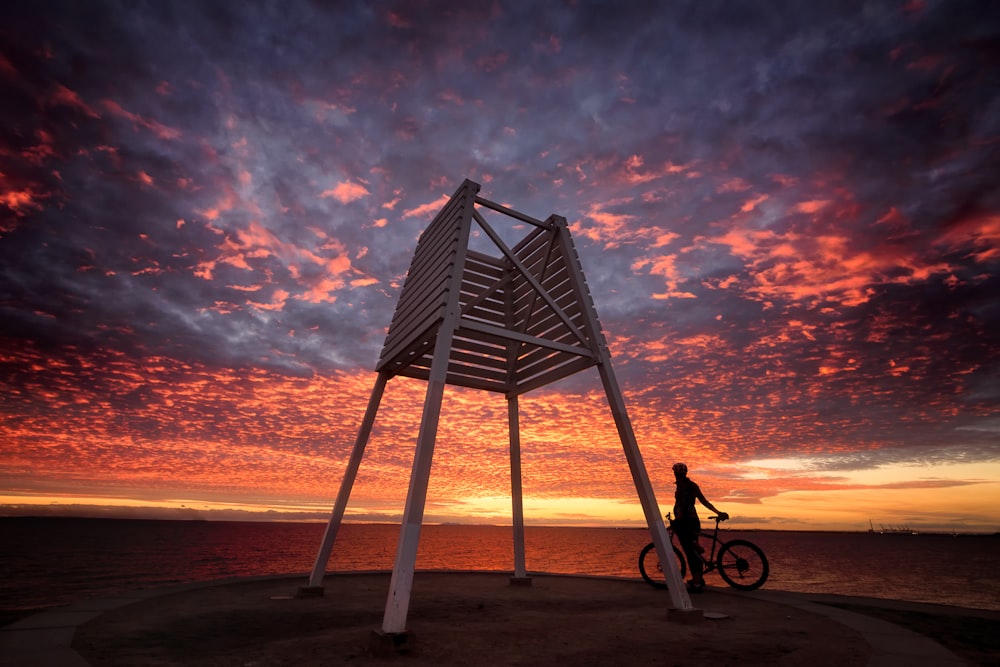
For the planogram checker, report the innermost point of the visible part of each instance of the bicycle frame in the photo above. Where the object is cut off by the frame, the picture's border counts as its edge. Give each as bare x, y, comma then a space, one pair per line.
740, 563
707, 561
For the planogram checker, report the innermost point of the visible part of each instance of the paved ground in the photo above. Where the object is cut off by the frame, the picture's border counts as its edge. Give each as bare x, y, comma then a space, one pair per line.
479, 618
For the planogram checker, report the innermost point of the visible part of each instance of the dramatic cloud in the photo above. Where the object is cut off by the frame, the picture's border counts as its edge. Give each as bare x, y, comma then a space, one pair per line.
788, 218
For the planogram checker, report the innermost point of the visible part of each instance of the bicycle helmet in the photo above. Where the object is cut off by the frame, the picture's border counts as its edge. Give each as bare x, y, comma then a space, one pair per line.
681, 468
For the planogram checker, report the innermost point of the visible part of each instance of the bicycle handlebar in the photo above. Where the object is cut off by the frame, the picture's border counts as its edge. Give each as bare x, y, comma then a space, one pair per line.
716, 518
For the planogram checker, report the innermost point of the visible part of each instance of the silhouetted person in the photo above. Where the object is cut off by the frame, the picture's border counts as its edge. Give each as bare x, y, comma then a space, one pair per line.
687, 526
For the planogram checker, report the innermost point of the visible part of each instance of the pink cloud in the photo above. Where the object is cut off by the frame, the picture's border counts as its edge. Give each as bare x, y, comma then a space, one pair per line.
157, 128
258, 242
665, 239
611, 229
752, 203
226, 202
346, 192
427, 209
636, 172
824, 266
813, 206
666, 267
744, 242
278, 299
734, 185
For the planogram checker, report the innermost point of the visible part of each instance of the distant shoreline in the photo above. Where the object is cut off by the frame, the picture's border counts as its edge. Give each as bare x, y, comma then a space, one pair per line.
448, 524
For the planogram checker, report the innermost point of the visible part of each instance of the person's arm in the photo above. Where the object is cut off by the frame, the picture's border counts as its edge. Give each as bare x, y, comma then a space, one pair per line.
704, 501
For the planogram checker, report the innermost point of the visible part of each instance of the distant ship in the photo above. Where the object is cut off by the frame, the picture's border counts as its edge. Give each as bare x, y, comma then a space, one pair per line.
892, 530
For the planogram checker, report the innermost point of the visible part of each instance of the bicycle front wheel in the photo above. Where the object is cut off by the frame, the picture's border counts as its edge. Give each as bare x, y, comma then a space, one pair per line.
649, 566
743, 565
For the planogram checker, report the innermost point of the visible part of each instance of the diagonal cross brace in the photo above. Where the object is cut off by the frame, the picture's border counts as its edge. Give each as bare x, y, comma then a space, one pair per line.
530, 278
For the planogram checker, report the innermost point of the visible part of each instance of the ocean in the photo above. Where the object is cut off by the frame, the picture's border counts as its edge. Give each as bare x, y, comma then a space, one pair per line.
48, 562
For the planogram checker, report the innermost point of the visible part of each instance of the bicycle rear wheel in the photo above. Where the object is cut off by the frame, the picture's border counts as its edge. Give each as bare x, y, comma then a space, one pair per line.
649, 566
743, 565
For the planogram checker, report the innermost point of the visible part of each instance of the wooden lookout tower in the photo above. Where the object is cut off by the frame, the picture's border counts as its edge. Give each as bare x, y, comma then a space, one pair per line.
507, 322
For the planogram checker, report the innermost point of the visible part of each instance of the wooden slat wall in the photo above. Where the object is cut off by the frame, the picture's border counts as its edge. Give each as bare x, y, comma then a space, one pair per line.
537, 366
480, 275
424, 295
506, 354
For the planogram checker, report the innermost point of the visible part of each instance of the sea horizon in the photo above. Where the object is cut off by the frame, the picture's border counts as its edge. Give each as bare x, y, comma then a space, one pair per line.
52, 561
726, 527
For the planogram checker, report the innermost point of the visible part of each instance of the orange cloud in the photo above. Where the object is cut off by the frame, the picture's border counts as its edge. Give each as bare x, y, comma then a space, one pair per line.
826, 266
611, 229
63, 96
259, 437
346, 192
258, 242
19, 200
157, 128
41, 151
634, 172
745, 242
980, 232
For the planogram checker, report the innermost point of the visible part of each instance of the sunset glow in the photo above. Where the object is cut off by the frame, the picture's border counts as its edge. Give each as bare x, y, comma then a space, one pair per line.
789, 222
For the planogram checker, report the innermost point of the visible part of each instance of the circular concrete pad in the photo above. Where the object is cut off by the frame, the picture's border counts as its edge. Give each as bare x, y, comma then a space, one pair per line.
460, 619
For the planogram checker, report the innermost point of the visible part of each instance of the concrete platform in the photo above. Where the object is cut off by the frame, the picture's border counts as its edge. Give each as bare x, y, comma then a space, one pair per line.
480, 618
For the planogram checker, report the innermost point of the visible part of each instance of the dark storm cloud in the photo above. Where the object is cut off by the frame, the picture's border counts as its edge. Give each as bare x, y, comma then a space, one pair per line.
787, 214
170, 99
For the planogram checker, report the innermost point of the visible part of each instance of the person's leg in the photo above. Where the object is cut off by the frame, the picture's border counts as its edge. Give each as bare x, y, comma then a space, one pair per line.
695, 562
687, 535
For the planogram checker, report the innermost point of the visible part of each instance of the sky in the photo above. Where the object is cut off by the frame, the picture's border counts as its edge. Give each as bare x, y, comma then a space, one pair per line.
787, 215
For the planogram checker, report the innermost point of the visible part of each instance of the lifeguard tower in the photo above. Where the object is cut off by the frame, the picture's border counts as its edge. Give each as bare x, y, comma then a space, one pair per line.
507, 322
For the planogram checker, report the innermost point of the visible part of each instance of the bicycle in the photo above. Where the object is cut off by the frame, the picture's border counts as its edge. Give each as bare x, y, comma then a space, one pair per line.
740, 563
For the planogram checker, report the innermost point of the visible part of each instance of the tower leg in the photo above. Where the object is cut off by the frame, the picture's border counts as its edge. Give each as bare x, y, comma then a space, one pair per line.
316, 578
396, 607
678, 594
515, 487
398, 603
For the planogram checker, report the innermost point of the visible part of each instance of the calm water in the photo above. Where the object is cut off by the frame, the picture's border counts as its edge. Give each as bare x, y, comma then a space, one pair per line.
49, 562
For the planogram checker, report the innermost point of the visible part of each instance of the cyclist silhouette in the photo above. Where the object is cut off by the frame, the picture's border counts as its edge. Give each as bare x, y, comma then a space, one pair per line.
687, 526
